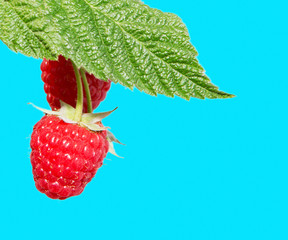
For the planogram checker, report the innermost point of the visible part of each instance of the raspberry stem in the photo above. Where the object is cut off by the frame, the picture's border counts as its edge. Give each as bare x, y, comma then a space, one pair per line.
87, 90
79, 103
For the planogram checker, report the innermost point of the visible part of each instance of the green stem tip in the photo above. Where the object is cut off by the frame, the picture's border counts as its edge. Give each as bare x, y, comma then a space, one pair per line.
79, 104
87, 90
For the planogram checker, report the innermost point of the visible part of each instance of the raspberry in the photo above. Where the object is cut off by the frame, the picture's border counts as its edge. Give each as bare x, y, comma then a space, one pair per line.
60, 84
65, 156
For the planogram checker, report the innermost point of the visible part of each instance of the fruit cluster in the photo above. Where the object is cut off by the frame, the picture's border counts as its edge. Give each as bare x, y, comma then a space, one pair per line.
68, 150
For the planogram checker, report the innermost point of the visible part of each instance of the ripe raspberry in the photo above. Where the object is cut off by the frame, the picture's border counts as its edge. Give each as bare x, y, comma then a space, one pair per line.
60, 84
65, 156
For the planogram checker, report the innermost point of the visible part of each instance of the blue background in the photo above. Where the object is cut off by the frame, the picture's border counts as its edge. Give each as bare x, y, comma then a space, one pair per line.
212, 169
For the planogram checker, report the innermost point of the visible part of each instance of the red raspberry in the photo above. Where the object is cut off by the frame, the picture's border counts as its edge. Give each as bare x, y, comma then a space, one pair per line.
60, 83
65, 157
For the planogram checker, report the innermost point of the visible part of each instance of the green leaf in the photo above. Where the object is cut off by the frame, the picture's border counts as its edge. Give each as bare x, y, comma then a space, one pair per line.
122, 40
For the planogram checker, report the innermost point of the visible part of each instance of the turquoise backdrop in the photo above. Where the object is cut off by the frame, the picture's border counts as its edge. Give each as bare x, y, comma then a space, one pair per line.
201, 170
